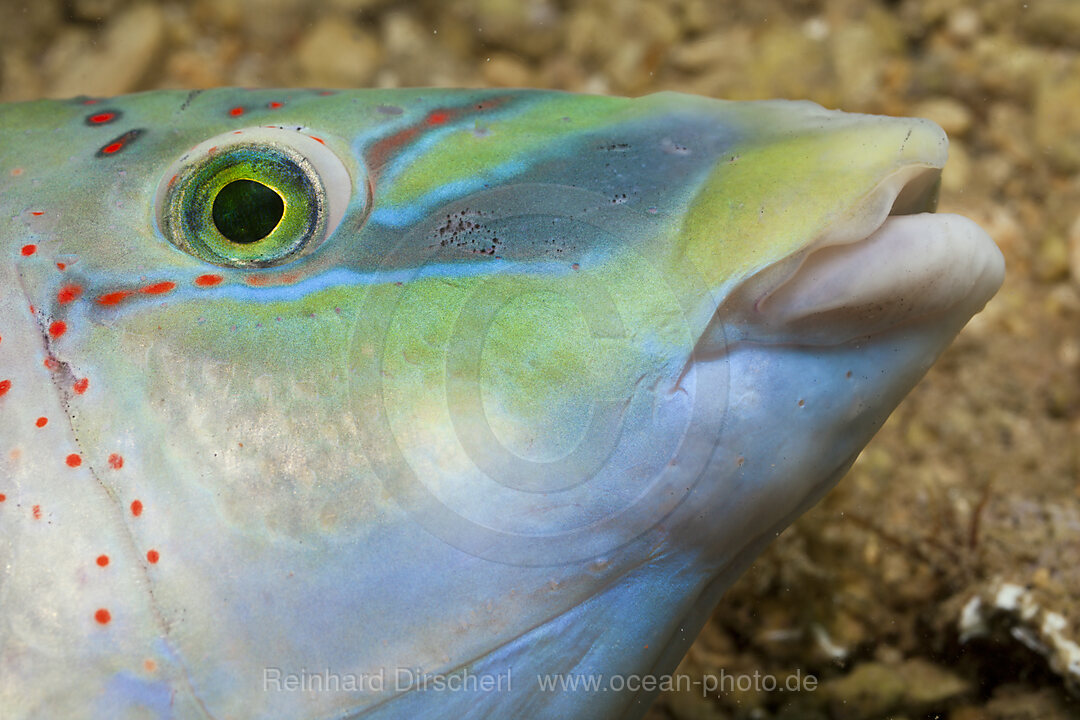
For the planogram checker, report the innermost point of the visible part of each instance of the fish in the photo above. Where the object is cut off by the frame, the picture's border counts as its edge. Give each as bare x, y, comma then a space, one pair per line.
424, 403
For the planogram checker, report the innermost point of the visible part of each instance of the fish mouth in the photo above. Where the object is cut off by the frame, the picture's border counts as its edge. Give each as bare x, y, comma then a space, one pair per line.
892, 261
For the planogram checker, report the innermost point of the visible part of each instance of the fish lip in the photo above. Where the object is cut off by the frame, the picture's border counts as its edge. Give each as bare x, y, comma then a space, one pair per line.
888, 230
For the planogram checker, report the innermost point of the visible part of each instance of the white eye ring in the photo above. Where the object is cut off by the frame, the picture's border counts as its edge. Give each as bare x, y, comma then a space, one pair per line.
313, 186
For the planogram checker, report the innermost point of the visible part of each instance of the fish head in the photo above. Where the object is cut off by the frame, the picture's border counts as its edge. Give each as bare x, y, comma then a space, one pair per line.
834, 291
300, 355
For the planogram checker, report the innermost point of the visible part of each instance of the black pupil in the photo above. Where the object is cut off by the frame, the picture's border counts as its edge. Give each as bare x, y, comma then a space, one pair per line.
246, 211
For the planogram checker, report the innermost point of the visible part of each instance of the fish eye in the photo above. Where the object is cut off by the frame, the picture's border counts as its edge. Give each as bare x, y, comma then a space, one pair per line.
256, 197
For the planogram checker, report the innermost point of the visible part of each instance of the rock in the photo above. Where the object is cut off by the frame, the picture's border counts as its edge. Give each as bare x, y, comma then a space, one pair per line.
1056, 21
353, 6
412, 54
505, 70
1057, 122
1052, 260
1009, 128
957, 172
931, 686
952, 115
723, 52
872, 689
968, 712
20, 78
271, 24
530, 27
627, 68
963, 24
656, 23
193, 69
95, 10
784, 62
1003, 67
1017, 703
402, 35
336, 53
126, 53
1074, 251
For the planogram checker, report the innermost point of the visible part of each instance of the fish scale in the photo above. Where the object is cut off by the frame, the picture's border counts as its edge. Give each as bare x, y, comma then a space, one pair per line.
518, 383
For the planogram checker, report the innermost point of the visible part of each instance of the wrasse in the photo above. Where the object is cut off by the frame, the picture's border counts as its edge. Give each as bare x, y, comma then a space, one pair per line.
418, 403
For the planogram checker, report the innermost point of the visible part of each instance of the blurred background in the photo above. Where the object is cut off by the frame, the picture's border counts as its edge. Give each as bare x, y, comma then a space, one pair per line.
941, 578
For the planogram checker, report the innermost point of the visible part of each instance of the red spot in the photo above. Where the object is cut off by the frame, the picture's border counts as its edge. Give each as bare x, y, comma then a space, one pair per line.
208, 280
36, 510
90, 101
152, 556
274, 105
113, 298
73, 460
80, 385
28, 250
3, 497
119, 143
103, 616
61, 266
326, 92
51, 363
102, 117
236, 111
58, 328
42, 421
36, 213
116, 461
318, 140
68, 293
438, 117
157, 288
5, 385
136, 507
102, 560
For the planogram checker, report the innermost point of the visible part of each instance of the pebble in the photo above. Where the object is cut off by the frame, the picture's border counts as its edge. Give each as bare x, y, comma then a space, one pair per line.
1074, 251
870, 690
1056, 21
505, 70
956, 176
353, 63
126, 52
953, 116
1056, 119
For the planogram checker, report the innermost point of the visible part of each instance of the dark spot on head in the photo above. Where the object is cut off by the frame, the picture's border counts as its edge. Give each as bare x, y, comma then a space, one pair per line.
120, 143
103, 117
389, 109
